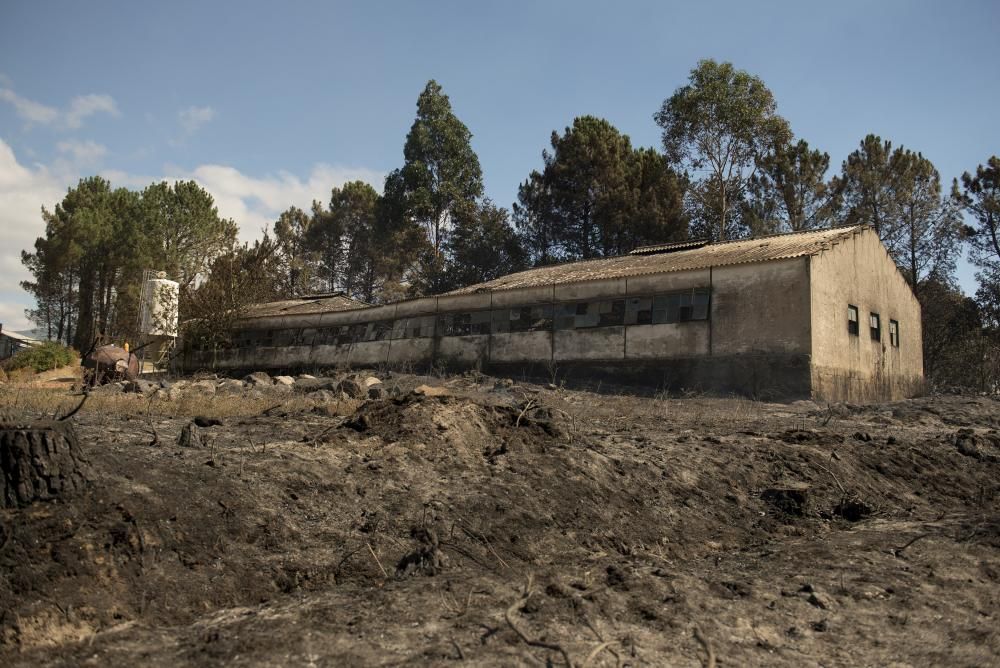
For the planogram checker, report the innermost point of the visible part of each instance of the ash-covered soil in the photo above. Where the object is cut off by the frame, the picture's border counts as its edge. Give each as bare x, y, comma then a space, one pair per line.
508, 524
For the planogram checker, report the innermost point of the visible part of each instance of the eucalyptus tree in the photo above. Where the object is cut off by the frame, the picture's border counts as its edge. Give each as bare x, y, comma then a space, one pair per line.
440, 170
719, 127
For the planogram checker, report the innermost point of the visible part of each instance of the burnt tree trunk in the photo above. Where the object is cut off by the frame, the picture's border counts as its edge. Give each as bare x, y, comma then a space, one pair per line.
38, 461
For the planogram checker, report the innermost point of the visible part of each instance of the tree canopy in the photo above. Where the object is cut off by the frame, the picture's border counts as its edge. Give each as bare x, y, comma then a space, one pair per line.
440, 170
719, 127
597, 196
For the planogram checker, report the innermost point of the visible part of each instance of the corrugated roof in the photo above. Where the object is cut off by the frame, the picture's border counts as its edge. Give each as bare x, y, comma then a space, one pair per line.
670, 247
743, 251
329, 303
27, 340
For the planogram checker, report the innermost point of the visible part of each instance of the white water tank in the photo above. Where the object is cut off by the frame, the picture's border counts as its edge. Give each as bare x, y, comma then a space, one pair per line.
159, 307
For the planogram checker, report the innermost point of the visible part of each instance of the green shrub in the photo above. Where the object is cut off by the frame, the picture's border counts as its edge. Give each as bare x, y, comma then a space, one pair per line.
43, 357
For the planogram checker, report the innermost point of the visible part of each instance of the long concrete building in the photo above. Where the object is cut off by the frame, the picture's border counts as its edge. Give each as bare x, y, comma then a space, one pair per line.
824, 314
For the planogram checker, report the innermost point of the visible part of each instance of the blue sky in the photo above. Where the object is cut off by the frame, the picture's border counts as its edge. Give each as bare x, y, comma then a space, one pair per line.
271, 104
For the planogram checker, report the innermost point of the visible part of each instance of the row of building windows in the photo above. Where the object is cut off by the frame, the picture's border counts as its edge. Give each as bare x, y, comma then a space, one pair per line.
675, 307
874, 326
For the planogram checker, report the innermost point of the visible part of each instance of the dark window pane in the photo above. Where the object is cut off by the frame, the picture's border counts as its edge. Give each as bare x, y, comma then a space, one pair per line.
501, 321
611, 313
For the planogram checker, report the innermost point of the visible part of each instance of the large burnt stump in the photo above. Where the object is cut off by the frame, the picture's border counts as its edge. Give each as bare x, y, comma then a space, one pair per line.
38, 461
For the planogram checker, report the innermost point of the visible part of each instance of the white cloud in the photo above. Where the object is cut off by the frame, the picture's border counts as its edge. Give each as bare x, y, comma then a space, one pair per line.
23, 191
80, 107
254, 202
33, 112
83, 106
83, 152
193, 118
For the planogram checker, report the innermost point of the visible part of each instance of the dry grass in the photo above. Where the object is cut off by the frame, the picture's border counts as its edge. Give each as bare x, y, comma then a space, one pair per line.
49, 402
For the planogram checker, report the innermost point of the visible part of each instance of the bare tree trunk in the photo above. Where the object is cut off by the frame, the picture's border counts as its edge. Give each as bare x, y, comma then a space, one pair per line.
38, 461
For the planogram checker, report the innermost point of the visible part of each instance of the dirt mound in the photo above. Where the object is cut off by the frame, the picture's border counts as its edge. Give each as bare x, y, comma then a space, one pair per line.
503, 525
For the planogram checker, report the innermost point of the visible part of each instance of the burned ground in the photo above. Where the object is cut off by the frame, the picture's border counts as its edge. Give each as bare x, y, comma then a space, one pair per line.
503, 524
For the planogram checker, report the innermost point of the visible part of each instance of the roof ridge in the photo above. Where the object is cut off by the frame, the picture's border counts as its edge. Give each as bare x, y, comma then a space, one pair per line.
817, 230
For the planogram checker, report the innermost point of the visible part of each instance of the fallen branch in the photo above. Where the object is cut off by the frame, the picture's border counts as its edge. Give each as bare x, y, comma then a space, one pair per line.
710, 658
485, 541
375, 556
527, 407
78, 407
461, 654
896, 551
593, 654
524, 638
835, 479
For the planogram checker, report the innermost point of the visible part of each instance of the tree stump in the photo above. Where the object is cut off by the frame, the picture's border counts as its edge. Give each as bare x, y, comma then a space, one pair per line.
38, 461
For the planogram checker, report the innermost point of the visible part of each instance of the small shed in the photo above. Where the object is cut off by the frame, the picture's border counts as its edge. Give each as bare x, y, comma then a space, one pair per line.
12, 342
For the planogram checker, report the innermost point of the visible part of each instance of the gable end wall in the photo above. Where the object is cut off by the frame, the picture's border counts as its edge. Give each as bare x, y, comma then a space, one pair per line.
858, 271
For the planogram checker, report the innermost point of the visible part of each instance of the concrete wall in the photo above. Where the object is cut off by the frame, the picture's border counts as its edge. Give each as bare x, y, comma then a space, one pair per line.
416, 353
761, 308
754, 342
521, 347
682, 339
599, 343
845, 367
463, 351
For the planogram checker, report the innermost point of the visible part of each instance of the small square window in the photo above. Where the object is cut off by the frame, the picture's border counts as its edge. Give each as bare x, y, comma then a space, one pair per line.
875, 326
852, 320
894, 333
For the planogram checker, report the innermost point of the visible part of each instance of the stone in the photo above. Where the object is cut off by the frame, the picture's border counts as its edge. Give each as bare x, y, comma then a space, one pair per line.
258, 378
353, 388
231, 386
305, 376
287, 381
203, 386
431, 391
376, 392
141, 387
308, 385
819, 600
109, 388
324, 396
190, 436
371, 381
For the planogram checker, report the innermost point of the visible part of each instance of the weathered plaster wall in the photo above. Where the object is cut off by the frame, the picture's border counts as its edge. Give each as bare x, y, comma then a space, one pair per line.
463, 351
473, 302
600, 343
761, 308
416, 307
522, 297
682, 339
368, 353
859, 271
415, 352
589, 290
521, 347
669, 282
